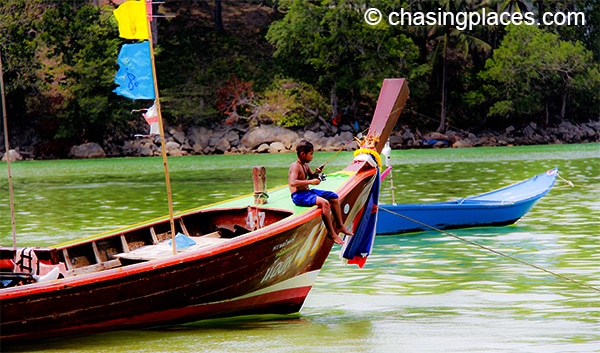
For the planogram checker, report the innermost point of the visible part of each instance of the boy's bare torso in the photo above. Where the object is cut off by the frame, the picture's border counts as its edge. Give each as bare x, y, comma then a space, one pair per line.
298, 171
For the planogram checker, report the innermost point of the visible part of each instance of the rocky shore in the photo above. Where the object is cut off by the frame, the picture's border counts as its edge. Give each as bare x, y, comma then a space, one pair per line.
232, 139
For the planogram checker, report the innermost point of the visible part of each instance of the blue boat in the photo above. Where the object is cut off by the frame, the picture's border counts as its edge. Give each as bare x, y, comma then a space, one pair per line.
495, 208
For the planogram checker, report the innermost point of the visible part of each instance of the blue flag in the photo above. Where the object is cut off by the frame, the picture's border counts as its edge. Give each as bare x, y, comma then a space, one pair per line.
359, 246
134, 77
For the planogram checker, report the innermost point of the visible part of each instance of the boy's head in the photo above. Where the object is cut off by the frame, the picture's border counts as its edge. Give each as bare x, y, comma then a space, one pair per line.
304, 147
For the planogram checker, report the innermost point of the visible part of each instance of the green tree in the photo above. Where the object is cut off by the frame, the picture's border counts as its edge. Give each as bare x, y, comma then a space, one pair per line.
448, 45
19, 26
515, 5
79, 67
330, 45
533, 69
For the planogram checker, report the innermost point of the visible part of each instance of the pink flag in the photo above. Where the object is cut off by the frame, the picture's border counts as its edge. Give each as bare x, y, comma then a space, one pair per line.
151, 116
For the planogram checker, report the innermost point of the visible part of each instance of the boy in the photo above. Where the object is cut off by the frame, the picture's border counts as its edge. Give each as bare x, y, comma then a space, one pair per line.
300, 177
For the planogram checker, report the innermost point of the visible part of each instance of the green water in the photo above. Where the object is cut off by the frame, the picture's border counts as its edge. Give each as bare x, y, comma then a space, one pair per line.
424, 292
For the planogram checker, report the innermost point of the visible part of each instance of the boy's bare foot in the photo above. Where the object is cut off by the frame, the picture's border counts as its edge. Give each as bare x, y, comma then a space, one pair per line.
336, 239
345, 230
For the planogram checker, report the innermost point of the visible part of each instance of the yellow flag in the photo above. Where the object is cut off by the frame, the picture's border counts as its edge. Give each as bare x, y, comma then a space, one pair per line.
133, 20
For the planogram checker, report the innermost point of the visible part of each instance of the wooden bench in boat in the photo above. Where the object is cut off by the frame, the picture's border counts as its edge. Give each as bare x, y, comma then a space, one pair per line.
165, 249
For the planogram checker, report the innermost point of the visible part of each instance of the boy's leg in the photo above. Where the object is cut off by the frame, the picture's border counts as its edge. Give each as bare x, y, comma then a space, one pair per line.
326, 211
337, 215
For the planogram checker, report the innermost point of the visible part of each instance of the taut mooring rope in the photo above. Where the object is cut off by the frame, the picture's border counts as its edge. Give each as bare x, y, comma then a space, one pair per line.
563, 277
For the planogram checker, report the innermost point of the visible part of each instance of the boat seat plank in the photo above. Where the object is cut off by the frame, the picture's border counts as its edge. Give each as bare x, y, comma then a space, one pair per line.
164, 249
106, 265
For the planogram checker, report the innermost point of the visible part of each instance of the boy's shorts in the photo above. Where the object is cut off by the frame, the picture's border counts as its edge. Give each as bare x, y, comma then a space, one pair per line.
308, 198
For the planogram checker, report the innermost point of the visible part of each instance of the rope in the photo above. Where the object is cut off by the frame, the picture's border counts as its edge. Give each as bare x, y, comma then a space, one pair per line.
571, 185
568, 182
563, 277
335, 154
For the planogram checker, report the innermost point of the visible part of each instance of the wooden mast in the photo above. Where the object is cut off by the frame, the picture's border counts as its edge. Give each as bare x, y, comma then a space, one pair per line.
7, 147
161, 129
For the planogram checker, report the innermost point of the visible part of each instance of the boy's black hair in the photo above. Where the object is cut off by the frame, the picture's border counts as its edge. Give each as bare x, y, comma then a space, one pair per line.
304, 146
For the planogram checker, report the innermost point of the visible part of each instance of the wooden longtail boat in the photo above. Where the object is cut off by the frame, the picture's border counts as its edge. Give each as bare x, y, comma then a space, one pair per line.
495, 208
235, 258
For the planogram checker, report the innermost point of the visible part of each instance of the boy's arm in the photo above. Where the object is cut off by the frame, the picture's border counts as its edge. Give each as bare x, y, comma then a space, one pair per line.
295, 181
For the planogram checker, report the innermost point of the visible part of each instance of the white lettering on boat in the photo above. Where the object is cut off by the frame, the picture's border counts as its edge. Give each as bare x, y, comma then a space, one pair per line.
255, 219
278, 268
302, 252
284, 244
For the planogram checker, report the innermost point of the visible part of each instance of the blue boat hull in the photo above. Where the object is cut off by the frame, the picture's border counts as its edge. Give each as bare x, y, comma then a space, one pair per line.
497, 208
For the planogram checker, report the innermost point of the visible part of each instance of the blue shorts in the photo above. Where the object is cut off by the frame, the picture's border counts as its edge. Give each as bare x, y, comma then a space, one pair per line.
308, 198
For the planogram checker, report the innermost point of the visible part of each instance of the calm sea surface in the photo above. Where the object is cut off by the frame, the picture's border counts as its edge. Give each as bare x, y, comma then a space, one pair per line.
425, 292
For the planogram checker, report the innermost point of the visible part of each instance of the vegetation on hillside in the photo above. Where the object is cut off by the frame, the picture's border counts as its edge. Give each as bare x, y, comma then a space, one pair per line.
296, 62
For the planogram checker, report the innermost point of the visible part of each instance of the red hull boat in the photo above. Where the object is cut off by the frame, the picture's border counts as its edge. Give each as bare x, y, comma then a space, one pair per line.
239, 258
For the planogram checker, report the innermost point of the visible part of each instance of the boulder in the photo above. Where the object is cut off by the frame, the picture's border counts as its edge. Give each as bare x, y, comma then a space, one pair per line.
276, 147
263, 148
316, 138
346, 136
266, 134
462, 143
199, 138
146, 152
586, 130
174, 149
14, 156
87, 150
172, 145
528, 131
435, 136
233, 138
222, 146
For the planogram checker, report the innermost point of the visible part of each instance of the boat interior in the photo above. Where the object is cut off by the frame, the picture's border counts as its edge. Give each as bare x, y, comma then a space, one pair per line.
194, 231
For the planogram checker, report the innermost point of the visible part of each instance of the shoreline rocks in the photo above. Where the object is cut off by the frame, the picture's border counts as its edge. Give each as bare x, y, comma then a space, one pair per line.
234, 139
531, 134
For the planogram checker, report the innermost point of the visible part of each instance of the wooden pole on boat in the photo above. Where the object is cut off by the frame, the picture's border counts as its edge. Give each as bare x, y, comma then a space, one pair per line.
162, 134
387, 152
7, 147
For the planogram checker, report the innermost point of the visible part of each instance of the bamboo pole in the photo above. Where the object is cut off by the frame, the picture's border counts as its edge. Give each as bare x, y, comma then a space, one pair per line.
7, 147
162, 135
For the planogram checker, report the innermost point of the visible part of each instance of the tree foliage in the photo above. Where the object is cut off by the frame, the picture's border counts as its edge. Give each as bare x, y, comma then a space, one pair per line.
81, 46
18, 45
329, 44
306, 60
534, 73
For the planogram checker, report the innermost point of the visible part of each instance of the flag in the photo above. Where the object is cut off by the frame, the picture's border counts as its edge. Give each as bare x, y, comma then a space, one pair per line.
151, 116
133, 20
358, 247
134, 77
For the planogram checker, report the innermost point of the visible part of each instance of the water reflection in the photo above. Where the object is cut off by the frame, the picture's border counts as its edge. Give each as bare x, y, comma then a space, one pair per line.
426, 292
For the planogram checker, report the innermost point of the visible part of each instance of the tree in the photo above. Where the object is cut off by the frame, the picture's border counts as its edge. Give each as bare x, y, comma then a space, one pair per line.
347, 58
219, 17
447, 38
18, 31
79, 67
515, 5
533, 69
